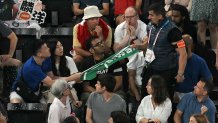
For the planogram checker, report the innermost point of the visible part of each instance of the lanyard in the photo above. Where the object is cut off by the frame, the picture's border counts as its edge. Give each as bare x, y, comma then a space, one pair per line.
157, 34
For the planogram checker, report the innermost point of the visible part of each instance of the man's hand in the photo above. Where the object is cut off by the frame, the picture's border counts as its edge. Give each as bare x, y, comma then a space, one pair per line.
98, 31
203, 109
4, 58
179, 78
130, 30
77, 103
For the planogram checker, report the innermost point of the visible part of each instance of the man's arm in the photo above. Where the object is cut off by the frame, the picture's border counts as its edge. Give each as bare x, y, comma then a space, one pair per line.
105, 10
182, 63
13, 43
177, 116
89, 115
132, 84
77, 11
118, 46
138, 4
82, 52
118, 80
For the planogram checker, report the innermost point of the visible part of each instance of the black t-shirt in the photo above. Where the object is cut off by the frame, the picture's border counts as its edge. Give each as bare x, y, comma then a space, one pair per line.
6, 9
4, 33
88, 62
174, 35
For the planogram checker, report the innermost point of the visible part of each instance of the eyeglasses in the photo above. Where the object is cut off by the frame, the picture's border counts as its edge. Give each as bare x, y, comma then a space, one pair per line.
98, 44
129, 17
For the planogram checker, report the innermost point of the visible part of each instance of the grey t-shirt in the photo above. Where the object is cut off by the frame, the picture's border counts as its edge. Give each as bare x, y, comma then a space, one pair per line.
101, 109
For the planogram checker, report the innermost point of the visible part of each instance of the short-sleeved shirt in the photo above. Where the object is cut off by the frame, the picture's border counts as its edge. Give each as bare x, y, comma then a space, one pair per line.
196, 67
120, 31
6, 9
114, 69
190, 105
33, 74
85, 3
59, 111
4, 33
101, 109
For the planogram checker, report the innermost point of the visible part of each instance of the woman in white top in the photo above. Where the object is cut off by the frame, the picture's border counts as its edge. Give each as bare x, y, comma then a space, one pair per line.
156, 106
62, 66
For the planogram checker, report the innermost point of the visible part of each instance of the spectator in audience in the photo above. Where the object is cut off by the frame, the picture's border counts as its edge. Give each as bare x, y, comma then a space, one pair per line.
206, 14
60, 107
164, 45
181, 18
62, 66
198, 118
196, 67
92, 25
97, 49
8, 42
121, 5
156, 106
36, 71
145, 6
132, 29
197, 102
72, 119
102, 102
80, 5
185, 3
8, 10
6, 58
118, 117
135, 66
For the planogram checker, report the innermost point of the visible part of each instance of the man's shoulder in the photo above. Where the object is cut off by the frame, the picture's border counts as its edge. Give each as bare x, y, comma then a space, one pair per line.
121, 26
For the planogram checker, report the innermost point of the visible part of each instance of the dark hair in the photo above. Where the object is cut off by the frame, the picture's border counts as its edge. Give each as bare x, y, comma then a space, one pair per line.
158, 85
37, 45
108, 81
119, 117
89, 42
183, 11
200, 118
208, 85
70, 119
158, 9
63, 69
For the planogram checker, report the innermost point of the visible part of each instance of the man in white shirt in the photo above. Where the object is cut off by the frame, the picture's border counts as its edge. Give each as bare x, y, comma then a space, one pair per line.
132, 29
60, 107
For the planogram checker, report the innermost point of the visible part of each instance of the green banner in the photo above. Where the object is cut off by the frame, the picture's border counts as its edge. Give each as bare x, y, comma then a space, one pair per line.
90, 73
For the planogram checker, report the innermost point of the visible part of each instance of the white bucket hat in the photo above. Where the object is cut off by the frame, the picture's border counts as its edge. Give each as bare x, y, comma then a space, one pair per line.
91, 12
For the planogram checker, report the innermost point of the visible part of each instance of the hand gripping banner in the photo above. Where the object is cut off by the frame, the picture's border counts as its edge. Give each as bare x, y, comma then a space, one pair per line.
90, 73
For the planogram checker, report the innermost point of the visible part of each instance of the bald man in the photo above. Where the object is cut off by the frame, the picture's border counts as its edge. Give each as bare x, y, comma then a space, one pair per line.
132, 30
196, 68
